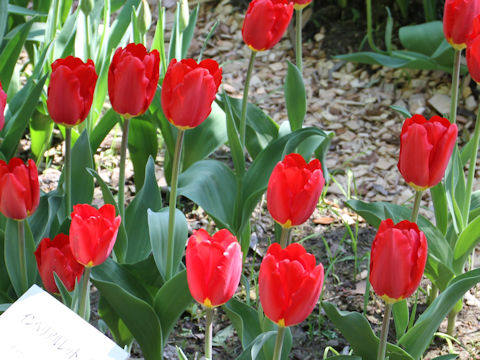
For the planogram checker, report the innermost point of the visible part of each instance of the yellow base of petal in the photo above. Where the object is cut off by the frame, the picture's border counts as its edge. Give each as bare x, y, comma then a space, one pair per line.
207, 303
389, 300
418, 188
281, 322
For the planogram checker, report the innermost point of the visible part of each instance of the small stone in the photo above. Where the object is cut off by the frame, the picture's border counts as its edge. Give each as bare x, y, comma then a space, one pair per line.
441, 103
470, 103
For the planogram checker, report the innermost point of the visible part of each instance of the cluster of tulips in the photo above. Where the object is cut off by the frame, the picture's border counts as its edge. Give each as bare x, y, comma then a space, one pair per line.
289, 281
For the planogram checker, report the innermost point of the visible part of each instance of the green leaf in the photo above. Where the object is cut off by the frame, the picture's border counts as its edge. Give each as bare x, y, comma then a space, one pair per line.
400, 315
65, 39
120, 247
102, 128
423, 38
245, 320
41, 219
357, 331
295, 97
388, 31
201, 183
20, 10
136, 217
41, 128
4, 10
446, 357
16, 122
82, 182
474, 206
416, 340
236, 148
124, 294
439, 197
11, 53
344, 357
400, 109
168, 307
12, 256
117, 327
121, 24
142, 143
5, 282
466, 242
158, 227
188, 32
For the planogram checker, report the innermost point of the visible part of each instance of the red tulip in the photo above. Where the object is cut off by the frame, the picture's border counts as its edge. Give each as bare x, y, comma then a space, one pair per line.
293, 190
3, 103
188, 91
132, 79
214, 266
473, 51
93, 233
289, 284
19, 188
70, 93
55, 256
265, 23
458, 18
397, 260
425, 149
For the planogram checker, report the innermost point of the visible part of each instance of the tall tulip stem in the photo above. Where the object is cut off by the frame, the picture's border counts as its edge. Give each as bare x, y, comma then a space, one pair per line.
68, 170
382, 346
455, 80
243, 119
285, 237
208, 333
298, 42
471, 170
172, 205
123, 160
21, 254
416, 205
277, 353
84, 294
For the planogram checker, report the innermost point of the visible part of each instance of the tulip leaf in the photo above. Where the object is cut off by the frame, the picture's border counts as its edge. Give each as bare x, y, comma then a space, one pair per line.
344, 357
201, 183
446, 357
82, 182
102, 128
455, 187
439, 198
142, 143
207, 137
357, 331
295, 97
136, 217
236, 148
168, 307
41, 128
132, 304
41, 219
120, 246
4, 10
466, 242
21, 107
145, 271
67, 298
416, 339
158, 228
4, 278
117, 327
189, 30
400, 316
474, 206
245, 320
12, 256
65, 39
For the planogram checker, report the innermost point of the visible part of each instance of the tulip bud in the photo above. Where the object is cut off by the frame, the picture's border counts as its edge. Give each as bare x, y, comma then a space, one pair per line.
144, 17
214, 266
397, 260
184, 15
55, 256
3, 104
86, 6
425, 149
293, 190
289, 284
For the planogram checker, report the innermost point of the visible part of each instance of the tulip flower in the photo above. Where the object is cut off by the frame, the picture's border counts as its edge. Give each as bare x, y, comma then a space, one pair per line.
3, 103
70, 93
19, 188
214, 266
300, 4
265, 23
293, 190
398, 257
188, 91
132, 79
458, 18
425, 149
473, 51
55, 256
93, 233
289, 284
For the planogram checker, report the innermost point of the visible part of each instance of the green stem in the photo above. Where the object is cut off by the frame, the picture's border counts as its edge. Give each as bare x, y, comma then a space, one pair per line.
68, 171
121, 176
208, 333
285, 237
455, 80
84, 294
243, 119
87, 37
277, 353
471, 171
432, 295
298, 43
172, 205
416, 205
382, 346
452, 317
21, 255
371, 42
